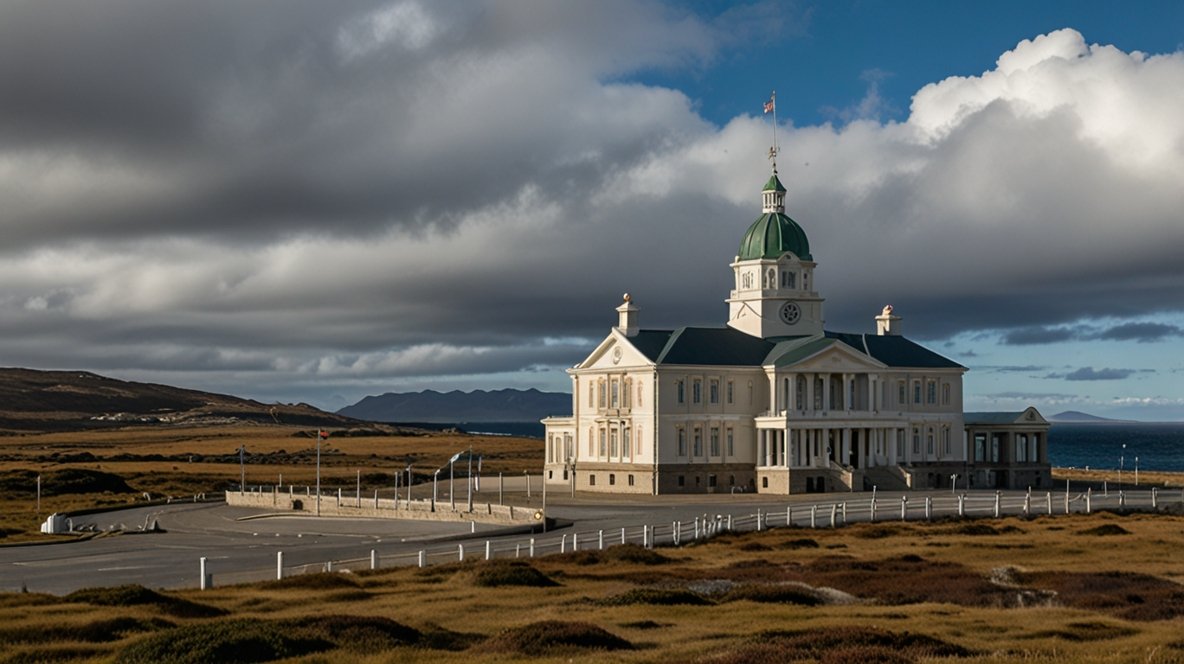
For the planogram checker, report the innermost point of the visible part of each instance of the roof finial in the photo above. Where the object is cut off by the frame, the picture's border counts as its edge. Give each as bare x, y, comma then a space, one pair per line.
771, 107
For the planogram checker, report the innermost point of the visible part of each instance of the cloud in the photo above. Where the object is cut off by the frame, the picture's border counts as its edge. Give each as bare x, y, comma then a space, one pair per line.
1089, 373
287, 191
1025, 368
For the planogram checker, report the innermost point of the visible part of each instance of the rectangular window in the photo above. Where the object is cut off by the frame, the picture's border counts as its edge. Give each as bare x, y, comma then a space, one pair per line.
900, 398
614, 394
731, 391
916, 391
917, 441
602, 442
1021, 448
714, 441
682, 442
900, 447
698, 446
630, 480
612, 443
731, 446
681, 388
697, 391
945, 394
713, 391
931, 392
591, 395
626, 392
980, 447
600, 396
945, 441
929, 443
682, 480
612, 479
996, 443
591, 480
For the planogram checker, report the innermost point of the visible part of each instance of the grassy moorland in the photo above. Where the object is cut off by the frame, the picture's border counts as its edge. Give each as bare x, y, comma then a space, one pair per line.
1100, 588
83, 469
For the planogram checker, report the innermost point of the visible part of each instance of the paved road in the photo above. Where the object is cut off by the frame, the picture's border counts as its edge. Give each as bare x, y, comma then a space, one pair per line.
239, 549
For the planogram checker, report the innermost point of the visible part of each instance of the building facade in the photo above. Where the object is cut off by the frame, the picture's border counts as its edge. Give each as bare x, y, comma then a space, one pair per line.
775, 403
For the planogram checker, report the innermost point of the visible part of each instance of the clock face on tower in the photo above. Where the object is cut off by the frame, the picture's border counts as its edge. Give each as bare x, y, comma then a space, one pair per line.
790, 313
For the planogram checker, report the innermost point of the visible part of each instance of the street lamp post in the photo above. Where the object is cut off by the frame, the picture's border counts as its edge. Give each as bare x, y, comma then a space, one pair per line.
1121, 463
470, 478
1136, 471
319, 436
435, 480
452, 484
408, 486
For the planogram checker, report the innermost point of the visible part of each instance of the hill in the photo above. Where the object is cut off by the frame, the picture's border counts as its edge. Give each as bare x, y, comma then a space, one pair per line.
32, 400
506, 405
1078, 416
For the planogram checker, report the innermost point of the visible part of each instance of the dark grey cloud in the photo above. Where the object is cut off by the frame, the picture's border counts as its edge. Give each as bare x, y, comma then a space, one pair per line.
300, 196
1089, 373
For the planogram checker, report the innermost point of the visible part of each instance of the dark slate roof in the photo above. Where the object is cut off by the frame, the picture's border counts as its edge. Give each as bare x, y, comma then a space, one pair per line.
725, 346
896, 351
988, 418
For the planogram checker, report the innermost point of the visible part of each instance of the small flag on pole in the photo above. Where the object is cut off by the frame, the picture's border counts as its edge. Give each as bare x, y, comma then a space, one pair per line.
770, 105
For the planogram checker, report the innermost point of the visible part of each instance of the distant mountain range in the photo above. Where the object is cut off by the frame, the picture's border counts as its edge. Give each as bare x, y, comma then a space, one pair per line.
32, 400
430, 406
1078, 416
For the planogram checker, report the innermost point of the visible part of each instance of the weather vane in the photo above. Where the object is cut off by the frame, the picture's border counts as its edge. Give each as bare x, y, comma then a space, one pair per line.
771, 107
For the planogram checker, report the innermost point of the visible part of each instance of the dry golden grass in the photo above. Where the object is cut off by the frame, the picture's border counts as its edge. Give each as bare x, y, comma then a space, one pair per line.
931, 600
1146, 478
182, 461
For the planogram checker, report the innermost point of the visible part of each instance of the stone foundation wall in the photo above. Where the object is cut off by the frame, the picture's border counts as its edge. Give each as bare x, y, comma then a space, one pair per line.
384, 508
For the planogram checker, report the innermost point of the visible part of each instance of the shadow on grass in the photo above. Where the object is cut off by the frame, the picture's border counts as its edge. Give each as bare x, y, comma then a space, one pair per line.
554, 638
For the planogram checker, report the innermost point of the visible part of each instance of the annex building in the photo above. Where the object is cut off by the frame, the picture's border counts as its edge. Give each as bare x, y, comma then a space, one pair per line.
773, 402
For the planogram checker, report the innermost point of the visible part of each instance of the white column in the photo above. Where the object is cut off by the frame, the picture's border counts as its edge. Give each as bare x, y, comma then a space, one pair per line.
809, 392
826, 401
792, 396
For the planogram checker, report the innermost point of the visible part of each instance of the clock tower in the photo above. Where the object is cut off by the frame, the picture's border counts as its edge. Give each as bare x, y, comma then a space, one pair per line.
773, 294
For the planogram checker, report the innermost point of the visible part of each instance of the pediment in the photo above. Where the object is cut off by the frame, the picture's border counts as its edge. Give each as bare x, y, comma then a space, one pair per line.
836, 357
615, 352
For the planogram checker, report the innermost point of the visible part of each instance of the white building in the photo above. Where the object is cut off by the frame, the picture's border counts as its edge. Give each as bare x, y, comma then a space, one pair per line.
773, 402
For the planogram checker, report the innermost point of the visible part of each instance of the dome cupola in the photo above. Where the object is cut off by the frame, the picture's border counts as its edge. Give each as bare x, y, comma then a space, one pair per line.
774, 233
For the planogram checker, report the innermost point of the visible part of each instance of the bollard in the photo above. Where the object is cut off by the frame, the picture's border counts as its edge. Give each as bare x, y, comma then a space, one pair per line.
339, 497
834, 511
423, 558
758, 519
1066, 499
813, 516
206, 579
600, 540
676, 531
1154, 498
872, 511
472, 526
279, 565
531, 548
729, 523
696, 530
488, 550
460, 552
1048, 497
575, 541
518, 550
1105, 490
904, 503
961, 505
928, 508
788, 516
1088, 497
329, 566
1121, 498
645, 536
1027, 504
563, 544
623, 540
844, 512
997, 499
373, 559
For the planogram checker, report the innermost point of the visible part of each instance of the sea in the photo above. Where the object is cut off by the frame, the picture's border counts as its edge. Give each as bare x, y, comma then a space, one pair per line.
1098, 445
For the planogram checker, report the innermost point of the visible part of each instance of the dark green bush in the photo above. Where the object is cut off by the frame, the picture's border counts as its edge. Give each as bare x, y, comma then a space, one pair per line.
553, 637
656, 596
136, 595
225, 642
497, 573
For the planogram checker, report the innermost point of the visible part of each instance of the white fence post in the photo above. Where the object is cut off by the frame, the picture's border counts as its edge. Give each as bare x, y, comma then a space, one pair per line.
813, 516
623, 540
488, 550
1027, 504
844, 512
460, 552
904, 502
423, 558
373, 559
928, 508
600, 540
1121, 498
788, 516
834, 511
563, 544
872, 517
758, 519
279, 565
997, 499
1154, 498
961, 505
1088, 499
206, 580
532, 547
1048, 497
575, 541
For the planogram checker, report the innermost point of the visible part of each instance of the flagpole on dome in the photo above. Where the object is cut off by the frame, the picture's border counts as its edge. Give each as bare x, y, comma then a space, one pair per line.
771, 107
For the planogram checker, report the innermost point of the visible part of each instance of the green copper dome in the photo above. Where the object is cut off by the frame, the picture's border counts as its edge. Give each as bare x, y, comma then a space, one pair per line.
773, 234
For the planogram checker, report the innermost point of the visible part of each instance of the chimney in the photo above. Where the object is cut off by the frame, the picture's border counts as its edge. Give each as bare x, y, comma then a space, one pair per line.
887, 324
627, 317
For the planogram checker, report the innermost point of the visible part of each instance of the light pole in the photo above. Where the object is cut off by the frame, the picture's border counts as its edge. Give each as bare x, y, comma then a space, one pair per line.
435, 480
320, 435
1121, 460
408, 486
470, 478
452, 483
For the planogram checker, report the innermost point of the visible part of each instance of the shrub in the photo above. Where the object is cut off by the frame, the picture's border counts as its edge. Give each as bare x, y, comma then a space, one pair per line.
98, 631
1105, 530
553, 637
773, 594
226, 642
800, 543
622, 553
974, 529
840, 644
355, 633
498, 573
137, 595
656, 596
315, 581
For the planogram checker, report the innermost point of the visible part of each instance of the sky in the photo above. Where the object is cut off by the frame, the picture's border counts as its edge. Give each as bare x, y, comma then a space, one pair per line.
293, 201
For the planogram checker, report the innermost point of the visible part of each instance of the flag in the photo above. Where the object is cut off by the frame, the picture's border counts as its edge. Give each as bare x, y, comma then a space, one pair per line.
323, 435
770, 105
